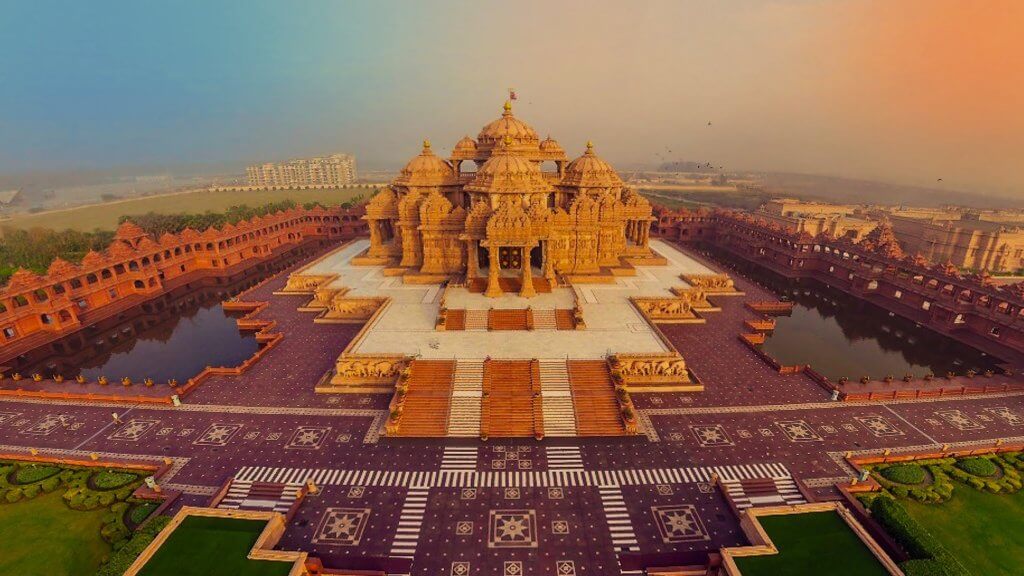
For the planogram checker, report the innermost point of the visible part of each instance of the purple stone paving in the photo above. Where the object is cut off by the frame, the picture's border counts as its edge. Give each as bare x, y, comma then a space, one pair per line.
270, 417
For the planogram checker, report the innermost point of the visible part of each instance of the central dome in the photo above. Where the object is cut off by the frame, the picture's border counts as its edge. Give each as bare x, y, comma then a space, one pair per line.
506, 171
508, 126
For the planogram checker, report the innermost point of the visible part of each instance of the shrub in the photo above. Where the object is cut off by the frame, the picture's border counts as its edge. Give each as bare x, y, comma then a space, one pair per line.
915, 540
127, 552
111, 479
31, 491
904, 473
50, 484
106, 499
977, 466
140, 512
13, 495
33, 474
900, 491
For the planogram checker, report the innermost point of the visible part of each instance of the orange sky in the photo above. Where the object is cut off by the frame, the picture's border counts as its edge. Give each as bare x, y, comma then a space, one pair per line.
939, 80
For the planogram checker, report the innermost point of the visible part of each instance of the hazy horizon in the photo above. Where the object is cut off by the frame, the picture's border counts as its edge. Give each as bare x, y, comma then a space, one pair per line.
905, 92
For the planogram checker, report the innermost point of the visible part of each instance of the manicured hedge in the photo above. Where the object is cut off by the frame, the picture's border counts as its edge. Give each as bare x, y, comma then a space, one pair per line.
111, 479
929, 556
127, 553
904, 473
33, 474
977, 466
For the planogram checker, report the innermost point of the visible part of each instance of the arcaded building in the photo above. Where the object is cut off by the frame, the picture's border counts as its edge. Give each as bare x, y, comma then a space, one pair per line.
507, 206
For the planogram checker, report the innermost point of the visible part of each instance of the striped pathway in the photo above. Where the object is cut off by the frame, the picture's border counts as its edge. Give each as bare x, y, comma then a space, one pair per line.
564, 458
476, 320
247, 495
763, 492
619, 525
467, 394
508, 478
459, 458
556, 399
410, 521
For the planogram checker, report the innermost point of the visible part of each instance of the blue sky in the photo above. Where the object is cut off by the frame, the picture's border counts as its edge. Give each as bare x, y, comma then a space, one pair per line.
834, 87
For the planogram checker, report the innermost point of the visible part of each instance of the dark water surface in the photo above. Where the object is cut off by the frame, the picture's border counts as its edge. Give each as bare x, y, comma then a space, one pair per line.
839, 335
173, 336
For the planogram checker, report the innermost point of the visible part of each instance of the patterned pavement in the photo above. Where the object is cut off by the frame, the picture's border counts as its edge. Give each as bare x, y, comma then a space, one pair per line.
462, 507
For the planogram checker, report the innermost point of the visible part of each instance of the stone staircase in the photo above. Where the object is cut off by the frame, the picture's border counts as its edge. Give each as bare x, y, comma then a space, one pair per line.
755, 492
564, 319
509, 319
597, 410
426, 407
467, 392
476, 319
509, 404
260, 496
556, 399
544, 320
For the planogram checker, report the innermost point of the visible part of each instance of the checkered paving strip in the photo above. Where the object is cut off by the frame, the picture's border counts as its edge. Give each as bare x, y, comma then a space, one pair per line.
564, 458
248, 495
500, 479
410, 522
459, 458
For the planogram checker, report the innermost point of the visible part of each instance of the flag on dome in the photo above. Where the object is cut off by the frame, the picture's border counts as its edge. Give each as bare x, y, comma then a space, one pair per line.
511, 93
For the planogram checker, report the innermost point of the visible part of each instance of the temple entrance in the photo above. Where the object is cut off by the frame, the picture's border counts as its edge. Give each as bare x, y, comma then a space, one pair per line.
537, 257
510, 257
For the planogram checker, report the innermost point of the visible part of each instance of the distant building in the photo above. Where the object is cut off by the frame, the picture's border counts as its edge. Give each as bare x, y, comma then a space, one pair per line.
833, 220
970, 244
322, 172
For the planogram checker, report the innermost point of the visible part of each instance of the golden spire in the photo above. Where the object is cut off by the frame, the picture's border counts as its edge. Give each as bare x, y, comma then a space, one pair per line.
426, 145
507, 141
508, 107
590, 147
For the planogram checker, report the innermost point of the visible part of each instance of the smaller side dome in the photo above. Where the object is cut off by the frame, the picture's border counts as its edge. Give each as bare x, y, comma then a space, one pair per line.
426, 169
590, 170
466, 144
551, 145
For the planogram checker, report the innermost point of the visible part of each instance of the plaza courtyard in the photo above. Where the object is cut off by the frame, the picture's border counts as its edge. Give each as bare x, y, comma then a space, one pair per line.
446, 506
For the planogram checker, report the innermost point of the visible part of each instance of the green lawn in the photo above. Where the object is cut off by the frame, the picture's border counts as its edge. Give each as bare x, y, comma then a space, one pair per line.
203, 546
984, 531
44, 536
105, 216
811, 543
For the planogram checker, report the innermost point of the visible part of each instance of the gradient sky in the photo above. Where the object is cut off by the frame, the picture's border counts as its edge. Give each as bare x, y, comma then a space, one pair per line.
906, 91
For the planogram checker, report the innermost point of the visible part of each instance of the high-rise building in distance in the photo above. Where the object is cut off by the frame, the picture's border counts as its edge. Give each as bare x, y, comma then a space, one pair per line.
325, 171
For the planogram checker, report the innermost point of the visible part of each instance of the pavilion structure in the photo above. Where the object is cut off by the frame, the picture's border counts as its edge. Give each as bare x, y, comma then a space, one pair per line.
508, 291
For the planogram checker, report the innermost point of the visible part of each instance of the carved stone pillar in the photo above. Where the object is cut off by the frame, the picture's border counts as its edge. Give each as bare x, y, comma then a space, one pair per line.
493, 275
549, 263
472, 260
375, 239
527, 290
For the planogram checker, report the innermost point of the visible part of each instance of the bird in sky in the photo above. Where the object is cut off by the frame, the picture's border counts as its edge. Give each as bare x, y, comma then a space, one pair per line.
939, 180
709, 123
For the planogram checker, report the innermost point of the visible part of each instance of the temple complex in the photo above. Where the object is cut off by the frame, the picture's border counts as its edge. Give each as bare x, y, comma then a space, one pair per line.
509, 291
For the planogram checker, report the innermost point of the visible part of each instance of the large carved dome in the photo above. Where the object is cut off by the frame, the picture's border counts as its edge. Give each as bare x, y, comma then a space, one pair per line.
506, 171
590, 170
427, 169
508, 126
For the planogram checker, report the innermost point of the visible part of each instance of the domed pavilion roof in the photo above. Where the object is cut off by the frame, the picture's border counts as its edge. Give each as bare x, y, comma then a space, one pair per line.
589, 170
506, 171
426, 169
551, 146
508, 126
465, 144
